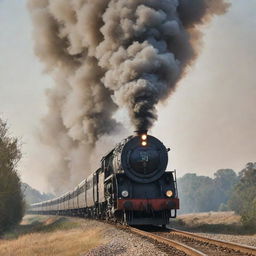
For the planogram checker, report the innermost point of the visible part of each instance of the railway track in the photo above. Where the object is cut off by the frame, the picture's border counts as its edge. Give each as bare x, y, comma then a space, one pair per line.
191, 244
182, 249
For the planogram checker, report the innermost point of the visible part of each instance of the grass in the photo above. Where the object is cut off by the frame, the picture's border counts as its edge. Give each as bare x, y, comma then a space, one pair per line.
34, 224
213, 222
41, 235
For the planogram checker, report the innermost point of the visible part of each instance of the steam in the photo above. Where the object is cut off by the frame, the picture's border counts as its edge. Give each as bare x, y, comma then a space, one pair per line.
106, 55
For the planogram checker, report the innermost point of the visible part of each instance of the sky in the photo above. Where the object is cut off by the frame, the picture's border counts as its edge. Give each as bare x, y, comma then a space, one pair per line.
209, 122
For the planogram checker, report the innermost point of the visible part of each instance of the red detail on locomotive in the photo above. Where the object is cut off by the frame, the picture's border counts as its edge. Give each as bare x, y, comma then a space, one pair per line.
147, 204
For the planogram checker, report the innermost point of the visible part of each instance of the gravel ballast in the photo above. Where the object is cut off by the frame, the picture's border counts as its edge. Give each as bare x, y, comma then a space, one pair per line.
240, 239
122, 242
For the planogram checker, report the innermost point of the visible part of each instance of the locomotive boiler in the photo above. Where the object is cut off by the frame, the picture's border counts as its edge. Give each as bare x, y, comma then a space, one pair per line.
131, 186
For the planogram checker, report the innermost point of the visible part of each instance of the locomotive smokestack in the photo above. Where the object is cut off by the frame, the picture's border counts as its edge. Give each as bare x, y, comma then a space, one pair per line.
141, 132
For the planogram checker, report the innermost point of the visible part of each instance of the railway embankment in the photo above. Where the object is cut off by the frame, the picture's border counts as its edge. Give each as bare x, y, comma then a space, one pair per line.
64, 236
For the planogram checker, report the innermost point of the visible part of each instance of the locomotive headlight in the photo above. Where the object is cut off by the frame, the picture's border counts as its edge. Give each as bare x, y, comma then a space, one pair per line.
169, 193
125, 193
144, 136
144, 143
144, 140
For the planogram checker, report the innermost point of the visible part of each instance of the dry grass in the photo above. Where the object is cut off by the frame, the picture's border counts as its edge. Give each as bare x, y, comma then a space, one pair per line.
214, 218
212, 222
51, 236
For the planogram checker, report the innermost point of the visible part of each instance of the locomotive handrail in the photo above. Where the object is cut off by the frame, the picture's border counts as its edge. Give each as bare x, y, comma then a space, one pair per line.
175, 183
108, 178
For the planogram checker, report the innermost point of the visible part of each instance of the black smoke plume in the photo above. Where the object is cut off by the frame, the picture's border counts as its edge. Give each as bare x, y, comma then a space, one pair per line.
110, 54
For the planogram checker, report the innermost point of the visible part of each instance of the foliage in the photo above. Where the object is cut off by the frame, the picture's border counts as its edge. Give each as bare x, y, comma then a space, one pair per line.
11, 199
226, 191
203, 194
224, 181
243, 199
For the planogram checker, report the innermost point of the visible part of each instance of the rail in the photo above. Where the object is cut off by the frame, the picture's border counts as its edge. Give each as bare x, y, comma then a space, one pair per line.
233, 246
168, 242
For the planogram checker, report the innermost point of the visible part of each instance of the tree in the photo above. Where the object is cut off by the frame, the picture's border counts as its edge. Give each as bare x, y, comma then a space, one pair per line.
224, 180
196, 193
11, 198
203, 194
243, 198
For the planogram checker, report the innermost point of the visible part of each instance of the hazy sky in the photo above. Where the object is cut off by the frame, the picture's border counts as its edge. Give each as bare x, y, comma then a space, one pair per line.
209, 123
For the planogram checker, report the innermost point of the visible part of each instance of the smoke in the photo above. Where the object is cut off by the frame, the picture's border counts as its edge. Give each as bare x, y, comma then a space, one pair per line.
106, 55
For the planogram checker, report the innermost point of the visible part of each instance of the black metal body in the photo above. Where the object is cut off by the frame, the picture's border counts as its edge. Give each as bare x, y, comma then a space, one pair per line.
130, 187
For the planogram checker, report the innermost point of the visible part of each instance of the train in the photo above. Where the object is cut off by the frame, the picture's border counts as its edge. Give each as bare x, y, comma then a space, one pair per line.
131, 187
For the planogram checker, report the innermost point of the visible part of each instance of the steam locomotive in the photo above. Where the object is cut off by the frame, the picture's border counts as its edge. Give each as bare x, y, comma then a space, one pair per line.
131, 187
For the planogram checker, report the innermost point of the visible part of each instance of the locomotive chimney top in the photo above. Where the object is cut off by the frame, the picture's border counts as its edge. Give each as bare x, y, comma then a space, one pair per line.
141, 132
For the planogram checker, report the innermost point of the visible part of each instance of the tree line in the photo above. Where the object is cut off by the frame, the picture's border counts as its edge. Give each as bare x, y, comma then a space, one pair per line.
225, 191
11, 197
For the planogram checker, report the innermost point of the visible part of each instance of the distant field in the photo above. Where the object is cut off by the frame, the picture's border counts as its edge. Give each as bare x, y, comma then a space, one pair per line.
46, 235
212, 222
214, 218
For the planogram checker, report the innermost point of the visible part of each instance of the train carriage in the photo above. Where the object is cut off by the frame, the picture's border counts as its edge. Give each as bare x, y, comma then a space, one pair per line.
90, 196
82, 195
